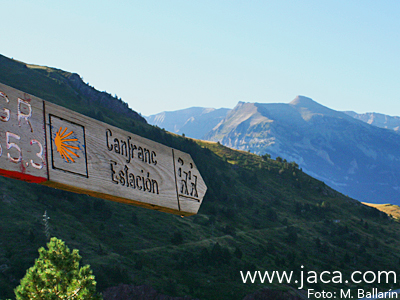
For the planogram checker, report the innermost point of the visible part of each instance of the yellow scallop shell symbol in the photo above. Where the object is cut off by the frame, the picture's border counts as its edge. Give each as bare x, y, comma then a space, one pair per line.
62, 148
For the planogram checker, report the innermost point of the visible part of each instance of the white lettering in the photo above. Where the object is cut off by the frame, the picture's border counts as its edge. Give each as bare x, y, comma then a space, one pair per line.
345, 294
373, 277
38, 154
352, 277
5, 118
248, 275
24, 115
13, 145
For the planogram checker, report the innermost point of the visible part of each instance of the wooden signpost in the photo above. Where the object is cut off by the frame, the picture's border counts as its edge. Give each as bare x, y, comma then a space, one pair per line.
48, 144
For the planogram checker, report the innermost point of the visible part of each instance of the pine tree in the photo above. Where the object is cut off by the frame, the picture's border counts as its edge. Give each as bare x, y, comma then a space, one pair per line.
56, 275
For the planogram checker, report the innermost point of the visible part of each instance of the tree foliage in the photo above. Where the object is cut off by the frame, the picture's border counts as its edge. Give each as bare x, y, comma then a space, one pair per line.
56, 275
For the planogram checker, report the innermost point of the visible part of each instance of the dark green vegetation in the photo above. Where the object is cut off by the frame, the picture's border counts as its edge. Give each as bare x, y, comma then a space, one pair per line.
57, 275
258, 214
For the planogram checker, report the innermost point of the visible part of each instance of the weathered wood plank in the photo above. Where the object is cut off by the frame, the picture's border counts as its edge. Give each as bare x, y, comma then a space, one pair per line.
88, 156
190, 185
22, 136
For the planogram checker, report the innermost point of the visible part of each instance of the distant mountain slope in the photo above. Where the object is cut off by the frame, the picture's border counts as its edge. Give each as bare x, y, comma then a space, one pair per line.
355, 158
379, 120
194, 122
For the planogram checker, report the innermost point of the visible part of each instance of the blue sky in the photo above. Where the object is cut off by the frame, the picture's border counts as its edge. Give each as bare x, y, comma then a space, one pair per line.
169, 55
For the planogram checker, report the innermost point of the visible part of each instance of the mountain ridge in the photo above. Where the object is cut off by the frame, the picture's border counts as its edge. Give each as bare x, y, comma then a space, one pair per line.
318, 139
378, 120
191, 121
331, 145
303, 103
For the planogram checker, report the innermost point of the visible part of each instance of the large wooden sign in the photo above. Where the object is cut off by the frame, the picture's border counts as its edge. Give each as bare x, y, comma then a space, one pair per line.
44, 143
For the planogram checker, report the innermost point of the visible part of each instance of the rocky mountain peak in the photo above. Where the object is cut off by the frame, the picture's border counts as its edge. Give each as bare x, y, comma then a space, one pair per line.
302, 100
305, 102
308, 108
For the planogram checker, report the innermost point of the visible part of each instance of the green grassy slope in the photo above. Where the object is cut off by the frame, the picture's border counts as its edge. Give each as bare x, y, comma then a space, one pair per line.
258, 214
